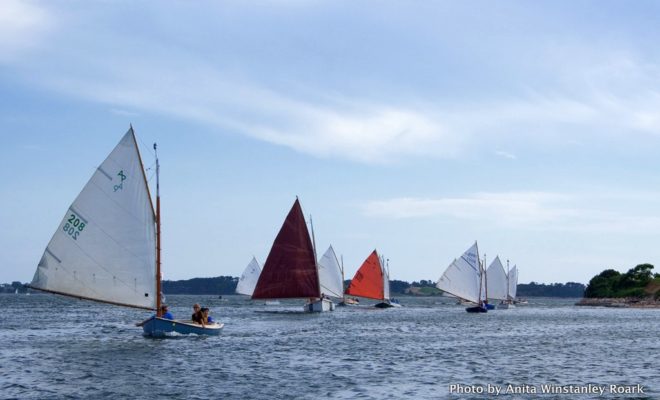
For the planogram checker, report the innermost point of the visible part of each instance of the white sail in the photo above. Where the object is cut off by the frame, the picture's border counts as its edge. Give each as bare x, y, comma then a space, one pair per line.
386, 283
513, 282
462, 276
249, 278
105, 247
330, 275
497, 281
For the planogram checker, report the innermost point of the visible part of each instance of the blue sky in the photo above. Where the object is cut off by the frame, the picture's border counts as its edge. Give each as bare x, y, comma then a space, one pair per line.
410, 127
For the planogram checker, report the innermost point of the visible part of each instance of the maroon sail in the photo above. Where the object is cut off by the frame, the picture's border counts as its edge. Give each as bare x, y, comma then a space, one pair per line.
290, 269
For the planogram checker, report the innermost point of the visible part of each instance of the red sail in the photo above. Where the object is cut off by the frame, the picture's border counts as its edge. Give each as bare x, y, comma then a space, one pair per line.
290, 269
368, 280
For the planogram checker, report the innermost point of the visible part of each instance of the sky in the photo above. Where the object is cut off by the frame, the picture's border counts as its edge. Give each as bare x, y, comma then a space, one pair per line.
414, 128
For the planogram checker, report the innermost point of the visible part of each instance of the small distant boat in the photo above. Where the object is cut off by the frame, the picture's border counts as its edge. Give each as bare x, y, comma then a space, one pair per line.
371, 281
511, 288
107, 247
463, 278
291, 270
249, 278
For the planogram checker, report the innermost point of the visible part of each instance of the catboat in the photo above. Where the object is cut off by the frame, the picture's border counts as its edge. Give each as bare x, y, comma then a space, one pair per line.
291, 270
372, 281
463, 278
107, 246
249, 278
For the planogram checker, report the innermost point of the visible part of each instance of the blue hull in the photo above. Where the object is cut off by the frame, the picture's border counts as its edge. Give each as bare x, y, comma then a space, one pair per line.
159, 327
490, 306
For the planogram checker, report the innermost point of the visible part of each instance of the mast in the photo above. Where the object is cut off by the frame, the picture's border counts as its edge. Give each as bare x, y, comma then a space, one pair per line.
158, 285
481, 280
485, 276
507, 280
316, 262
343, 289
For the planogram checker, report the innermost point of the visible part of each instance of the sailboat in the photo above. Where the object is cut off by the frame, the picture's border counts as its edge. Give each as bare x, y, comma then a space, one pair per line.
331, 275
291, 270
513, 287
107, 246
496, 282
249, 278
463, 279
371, 281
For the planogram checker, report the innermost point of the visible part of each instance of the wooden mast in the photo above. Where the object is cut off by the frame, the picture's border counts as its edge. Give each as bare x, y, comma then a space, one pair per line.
316, 262
158, 285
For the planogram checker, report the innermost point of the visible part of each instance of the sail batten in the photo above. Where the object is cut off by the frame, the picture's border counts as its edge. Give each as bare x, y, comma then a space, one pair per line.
368, 280
290, 270
105, 246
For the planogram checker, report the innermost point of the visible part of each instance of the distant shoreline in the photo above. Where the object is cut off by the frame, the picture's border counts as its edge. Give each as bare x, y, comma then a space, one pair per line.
621, 302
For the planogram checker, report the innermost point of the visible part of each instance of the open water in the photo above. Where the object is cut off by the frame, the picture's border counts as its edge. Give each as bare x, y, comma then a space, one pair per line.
57, 348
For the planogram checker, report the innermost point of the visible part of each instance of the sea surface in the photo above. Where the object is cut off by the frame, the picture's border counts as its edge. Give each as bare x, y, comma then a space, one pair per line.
53, 347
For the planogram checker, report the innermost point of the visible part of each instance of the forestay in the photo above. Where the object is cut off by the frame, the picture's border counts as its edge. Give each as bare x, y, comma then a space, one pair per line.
330, 275
249, 278
497, 281
105, 246
462, 277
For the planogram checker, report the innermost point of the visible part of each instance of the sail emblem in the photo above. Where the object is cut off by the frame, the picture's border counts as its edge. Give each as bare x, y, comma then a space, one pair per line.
121, 184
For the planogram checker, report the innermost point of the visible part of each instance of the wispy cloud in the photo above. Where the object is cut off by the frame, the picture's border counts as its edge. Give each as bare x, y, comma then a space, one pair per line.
505, 154
22, 24
524, 210
610, 93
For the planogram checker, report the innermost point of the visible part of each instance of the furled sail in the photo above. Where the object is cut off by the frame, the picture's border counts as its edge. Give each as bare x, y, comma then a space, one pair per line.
513, 282
105, 247
290, 270
330, 274
249, 278
497, 283
462, 277
368, 280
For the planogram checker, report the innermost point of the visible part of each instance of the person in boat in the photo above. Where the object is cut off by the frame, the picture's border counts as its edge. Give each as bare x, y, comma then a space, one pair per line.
197, 313
206, 319
165, 314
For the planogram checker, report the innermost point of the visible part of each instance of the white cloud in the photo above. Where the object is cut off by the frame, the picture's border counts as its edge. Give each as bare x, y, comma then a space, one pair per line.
589, 96
528, 211
505, 154
22, 24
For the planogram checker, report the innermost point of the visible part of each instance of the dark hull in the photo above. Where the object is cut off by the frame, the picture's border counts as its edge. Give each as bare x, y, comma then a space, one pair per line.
476, 309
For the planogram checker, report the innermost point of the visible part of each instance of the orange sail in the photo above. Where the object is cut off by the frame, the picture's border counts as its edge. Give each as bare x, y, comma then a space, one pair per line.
368, 280
290, 270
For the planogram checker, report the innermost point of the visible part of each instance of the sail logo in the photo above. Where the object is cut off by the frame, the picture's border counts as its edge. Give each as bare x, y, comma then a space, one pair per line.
121, 184
74, 226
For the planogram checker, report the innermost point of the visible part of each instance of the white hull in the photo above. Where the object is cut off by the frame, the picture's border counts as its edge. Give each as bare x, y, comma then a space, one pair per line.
320, 305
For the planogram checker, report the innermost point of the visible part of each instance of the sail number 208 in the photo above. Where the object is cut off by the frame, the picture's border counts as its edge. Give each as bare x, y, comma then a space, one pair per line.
73, 226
